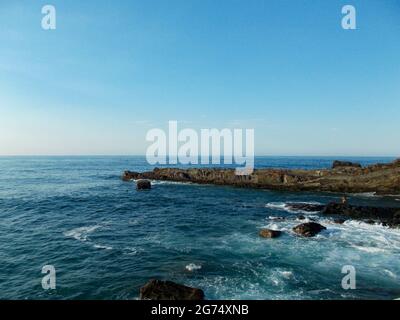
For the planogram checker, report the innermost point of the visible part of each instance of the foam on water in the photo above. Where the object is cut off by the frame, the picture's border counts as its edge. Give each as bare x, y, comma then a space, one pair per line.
81, 233
99, 246
132, 250
193, 267
284, 206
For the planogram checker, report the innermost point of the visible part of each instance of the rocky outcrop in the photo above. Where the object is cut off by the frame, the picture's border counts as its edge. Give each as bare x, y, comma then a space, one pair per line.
309, 229
339, 220
341, 164
143, 185
343, 211
379, 178
386, 216
168, 290
308, 207
267, 233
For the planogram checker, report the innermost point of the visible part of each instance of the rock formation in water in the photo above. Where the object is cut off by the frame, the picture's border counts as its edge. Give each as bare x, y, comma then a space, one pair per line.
384, 215
343, 178
143, 185
309, 229
267, 233
168, 290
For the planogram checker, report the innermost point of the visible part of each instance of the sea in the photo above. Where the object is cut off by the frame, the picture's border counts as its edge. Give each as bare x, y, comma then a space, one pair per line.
105, 239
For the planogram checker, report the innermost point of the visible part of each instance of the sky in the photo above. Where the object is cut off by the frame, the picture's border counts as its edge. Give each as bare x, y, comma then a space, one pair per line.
113, 70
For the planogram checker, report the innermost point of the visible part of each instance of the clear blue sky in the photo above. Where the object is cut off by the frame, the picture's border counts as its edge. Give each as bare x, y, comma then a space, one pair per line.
112, 70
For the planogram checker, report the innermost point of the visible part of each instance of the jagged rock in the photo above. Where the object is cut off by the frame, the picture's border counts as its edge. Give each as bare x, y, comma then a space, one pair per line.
308, 207
267, 233
129, 175
168, 290
340, 164
387, 216
143, 185
308, 229
339, 221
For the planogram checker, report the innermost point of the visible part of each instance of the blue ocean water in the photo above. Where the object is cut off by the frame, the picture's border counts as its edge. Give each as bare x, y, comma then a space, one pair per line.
106, 239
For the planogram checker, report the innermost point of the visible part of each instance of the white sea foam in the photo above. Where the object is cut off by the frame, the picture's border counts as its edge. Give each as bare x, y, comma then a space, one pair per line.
365, 194
286, 274
81, 233
274, 218
193, 267
99, 246
284, 206
161, 182
368, 249
390, 273
132, 250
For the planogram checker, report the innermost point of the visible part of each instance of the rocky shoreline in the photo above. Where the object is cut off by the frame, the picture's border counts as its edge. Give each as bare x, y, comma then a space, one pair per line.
343, 177
342, 211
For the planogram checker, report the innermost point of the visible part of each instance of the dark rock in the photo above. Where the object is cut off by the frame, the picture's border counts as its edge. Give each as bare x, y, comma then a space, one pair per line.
129, 175
308, 207
301, 217
340, 164
277, 218
339, 221
168, 290
389, 216
267, 233
308, 229
143, 185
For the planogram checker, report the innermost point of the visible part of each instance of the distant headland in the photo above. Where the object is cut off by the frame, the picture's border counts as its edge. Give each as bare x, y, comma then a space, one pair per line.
343, 177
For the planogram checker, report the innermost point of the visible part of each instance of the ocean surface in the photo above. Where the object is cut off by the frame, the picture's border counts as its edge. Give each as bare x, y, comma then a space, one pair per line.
106, 240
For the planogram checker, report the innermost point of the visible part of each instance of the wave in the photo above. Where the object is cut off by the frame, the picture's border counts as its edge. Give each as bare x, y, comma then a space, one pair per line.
369, 249
132, 251
193, 267
286, 274
99, 246
81, 233
365, 194
284, 206
390, 273
161, 182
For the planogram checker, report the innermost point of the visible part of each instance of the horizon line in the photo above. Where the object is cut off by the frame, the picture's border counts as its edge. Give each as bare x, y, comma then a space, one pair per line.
142, 155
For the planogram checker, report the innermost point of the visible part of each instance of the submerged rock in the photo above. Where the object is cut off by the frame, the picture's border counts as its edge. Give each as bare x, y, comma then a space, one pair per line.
168, 290
308, 229
267, 233
143, 185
